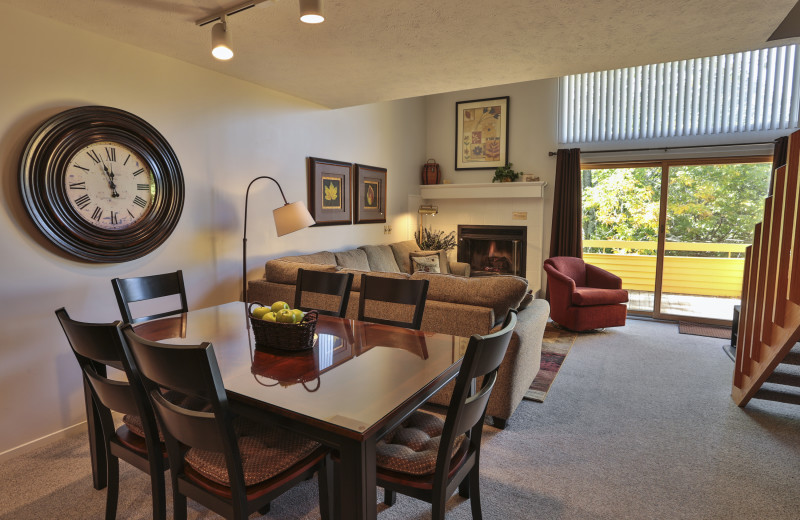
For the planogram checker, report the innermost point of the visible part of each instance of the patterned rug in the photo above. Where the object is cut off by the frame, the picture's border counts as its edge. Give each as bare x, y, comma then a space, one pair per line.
556, 344
701, 329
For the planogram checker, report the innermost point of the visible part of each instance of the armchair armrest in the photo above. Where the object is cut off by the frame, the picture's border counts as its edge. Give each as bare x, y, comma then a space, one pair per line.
459, 268
602, 279
558, 278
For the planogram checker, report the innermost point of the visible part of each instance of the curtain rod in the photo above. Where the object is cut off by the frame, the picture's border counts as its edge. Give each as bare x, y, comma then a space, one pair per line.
666, 148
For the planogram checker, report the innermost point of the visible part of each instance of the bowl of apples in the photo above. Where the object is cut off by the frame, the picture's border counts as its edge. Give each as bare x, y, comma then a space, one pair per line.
278, 326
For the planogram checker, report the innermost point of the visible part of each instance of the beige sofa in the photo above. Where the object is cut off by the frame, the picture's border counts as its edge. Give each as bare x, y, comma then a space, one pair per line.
456, 305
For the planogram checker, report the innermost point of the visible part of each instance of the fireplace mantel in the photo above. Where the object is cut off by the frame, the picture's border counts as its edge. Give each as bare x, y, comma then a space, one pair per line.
483, 190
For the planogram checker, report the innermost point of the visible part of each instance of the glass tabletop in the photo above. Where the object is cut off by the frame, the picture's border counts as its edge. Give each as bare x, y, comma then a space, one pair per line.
355, 374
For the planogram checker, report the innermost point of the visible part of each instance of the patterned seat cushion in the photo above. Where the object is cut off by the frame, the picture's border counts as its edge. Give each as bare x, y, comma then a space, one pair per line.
266, 451
413, 446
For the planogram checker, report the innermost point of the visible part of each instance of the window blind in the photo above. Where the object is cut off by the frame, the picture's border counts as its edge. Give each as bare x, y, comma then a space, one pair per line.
743, 92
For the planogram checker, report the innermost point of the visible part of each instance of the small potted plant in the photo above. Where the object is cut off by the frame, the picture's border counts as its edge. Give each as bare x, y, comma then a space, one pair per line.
505, 174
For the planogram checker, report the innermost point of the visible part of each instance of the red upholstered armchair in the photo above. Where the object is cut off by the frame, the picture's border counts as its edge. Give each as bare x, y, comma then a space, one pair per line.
583, 296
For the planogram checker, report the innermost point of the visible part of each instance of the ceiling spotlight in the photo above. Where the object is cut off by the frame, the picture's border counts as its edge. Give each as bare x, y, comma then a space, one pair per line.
221, 47
311, 11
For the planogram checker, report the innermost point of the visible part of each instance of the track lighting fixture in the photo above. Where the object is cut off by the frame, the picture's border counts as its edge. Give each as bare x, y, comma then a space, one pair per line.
310, 12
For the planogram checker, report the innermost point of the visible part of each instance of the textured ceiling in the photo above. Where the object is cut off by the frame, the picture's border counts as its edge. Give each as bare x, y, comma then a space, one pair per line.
376, 50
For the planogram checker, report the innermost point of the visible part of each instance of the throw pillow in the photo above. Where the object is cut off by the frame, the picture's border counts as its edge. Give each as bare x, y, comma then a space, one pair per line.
424, 262
381, 259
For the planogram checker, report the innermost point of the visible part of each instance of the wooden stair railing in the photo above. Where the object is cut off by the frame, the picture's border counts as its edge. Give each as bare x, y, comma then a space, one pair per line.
769, 322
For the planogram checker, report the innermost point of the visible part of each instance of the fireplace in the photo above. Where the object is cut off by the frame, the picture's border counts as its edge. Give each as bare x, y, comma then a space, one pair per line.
492, 250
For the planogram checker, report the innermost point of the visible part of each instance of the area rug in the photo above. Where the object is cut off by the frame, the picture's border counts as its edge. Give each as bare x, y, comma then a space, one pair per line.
556, 344
701, 329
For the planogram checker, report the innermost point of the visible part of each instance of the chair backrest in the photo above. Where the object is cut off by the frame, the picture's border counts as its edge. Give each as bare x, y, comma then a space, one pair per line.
569, 266
97, 346
130, 290
202, 419
467, 407
332, 285
392, 291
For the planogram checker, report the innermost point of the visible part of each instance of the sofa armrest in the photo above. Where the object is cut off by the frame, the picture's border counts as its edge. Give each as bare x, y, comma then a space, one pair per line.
601, 279
459, 268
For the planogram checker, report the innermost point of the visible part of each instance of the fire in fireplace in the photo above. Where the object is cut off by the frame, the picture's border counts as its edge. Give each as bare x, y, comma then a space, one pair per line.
493, 250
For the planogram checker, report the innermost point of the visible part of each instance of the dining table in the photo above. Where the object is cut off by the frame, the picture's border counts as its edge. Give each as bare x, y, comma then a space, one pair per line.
356, 383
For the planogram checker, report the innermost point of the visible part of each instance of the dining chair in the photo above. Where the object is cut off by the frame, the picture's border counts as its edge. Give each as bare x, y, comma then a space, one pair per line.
135, 289
98, 346
388, 293
229, 464
328, 286
428, 458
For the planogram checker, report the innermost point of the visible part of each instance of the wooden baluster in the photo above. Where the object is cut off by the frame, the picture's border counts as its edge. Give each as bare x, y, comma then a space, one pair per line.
787, 230
740, 334
752, 307
793, 170
771, 289
761, 287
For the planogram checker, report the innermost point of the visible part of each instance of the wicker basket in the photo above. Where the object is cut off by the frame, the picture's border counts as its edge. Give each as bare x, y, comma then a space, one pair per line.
283, 336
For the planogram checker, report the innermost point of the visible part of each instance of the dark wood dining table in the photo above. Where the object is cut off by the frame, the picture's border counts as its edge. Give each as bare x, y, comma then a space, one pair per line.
358, 382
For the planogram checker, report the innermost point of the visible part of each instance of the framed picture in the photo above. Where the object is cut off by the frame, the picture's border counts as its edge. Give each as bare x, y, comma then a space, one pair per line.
329, 188
370, 194
482, 134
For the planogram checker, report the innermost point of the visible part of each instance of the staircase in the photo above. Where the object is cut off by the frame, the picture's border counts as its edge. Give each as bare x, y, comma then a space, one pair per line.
769, 323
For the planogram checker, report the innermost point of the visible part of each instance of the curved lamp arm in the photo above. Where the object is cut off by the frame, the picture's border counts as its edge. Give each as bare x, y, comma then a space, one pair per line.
288, 218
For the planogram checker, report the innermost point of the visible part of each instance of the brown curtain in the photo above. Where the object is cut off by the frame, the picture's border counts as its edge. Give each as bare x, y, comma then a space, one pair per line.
566, 234
778, 158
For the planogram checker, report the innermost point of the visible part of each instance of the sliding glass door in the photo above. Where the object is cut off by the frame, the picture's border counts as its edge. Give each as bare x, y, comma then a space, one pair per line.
678, 249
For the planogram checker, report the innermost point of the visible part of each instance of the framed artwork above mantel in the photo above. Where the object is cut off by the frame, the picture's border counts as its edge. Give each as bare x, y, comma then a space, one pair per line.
482, 133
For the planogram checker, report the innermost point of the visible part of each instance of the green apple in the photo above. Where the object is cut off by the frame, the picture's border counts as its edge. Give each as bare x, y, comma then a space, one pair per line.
277, 306
285, 316
270, 316
298, 315
259, 312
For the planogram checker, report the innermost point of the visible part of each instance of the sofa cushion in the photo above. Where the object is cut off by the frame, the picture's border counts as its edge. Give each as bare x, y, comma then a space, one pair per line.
381, 258
357, 277
282, 271
401, 251
424, 261
585, 296
322, 257
501, 293
352, 259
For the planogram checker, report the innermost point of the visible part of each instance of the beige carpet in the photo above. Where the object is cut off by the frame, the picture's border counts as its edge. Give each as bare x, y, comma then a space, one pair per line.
556, 344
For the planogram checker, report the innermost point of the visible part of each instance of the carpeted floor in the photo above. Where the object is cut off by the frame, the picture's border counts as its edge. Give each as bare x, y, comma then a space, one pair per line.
701, 329
556, 344
638, 425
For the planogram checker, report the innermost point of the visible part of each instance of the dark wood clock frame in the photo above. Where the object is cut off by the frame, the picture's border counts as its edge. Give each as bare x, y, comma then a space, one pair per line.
43, 168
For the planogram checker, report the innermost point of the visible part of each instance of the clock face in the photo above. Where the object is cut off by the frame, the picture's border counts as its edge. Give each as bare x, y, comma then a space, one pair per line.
109, 185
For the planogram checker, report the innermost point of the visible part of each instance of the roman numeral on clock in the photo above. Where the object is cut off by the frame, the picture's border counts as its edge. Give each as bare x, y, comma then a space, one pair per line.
143, 187
140, 201
137, 172
77, 185
114, 221
83, 201
81, 167
97, 213
93, 155
111, 153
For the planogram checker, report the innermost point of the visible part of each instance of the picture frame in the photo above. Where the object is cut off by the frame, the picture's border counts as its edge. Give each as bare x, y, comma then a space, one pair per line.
370, 194
482, 133
329, 191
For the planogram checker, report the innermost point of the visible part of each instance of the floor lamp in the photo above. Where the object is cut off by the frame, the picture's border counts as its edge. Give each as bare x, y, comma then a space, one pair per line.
288, 218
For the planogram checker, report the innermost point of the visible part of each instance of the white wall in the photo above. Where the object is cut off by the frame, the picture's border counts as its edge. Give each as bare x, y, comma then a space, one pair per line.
225, 132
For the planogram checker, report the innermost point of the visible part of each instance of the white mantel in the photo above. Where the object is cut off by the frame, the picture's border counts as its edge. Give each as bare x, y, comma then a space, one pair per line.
483, 190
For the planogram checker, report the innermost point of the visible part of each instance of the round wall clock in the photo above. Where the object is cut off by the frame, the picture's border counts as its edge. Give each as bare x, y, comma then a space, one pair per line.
102, 184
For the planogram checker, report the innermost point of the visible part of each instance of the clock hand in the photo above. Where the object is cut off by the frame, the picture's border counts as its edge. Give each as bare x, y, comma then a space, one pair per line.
111, 184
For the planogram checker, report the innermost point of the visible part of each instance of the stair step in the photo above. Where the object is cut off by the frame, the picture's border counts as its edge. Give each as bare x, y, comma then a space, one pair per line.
792, 357
777, 395
784, 378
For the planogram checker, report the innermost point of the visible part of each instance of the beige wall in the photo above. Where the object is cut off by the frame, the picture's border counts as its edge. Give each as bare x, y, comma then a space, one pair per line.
225, 132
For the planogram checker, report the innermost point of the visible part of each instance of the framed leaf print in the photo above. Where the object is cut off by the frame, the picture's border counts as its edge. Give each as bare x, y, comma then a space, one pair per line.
482, 134
329, 188
370, 194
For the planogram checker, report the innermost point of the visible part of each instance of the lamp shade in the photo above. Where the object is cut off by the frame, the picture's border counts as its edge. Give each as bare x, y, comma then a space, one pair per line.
221, 47
311, 11
292, 217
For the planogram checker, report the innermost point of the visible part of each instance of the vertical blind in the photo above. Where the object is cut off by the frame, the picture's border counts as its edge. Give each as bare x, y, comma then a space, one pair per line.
743, 92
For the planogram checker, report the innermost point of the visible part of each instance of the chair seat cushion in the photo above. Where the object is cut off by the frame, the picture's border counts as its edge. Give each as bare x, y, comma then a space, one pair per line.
265, 449
412, 447
585, 296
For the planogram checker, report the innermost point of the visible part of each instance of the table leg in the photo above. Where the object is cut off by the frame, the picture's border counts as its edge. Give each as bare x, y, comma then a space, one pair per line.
96, 449
357, 482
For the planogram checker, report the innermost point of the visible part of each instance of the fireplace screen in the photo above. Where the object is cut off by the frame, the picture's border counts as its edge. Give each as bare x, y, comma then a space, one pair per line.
493, 250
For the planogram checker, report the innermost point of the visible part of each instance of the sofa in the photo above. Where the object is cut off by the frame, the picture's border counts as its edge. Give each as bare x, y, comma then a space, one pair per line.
457, 304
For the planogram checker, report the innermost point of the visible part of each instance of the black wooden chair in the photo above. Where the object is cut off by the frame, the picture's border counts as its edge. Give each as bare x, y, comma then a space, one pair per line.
96, 347
387, 294
131, 290
445, 455
231, 465
330, 285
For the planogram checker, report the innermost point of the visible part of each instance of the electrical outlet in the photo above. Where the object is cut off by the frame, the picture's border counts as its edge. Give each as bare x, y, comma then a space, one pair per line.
387, 230
519, 215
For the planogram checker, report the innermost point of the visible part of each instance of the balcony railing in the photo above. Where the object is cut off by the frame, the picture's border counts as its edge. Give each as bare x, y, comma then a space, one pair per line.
702, 276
